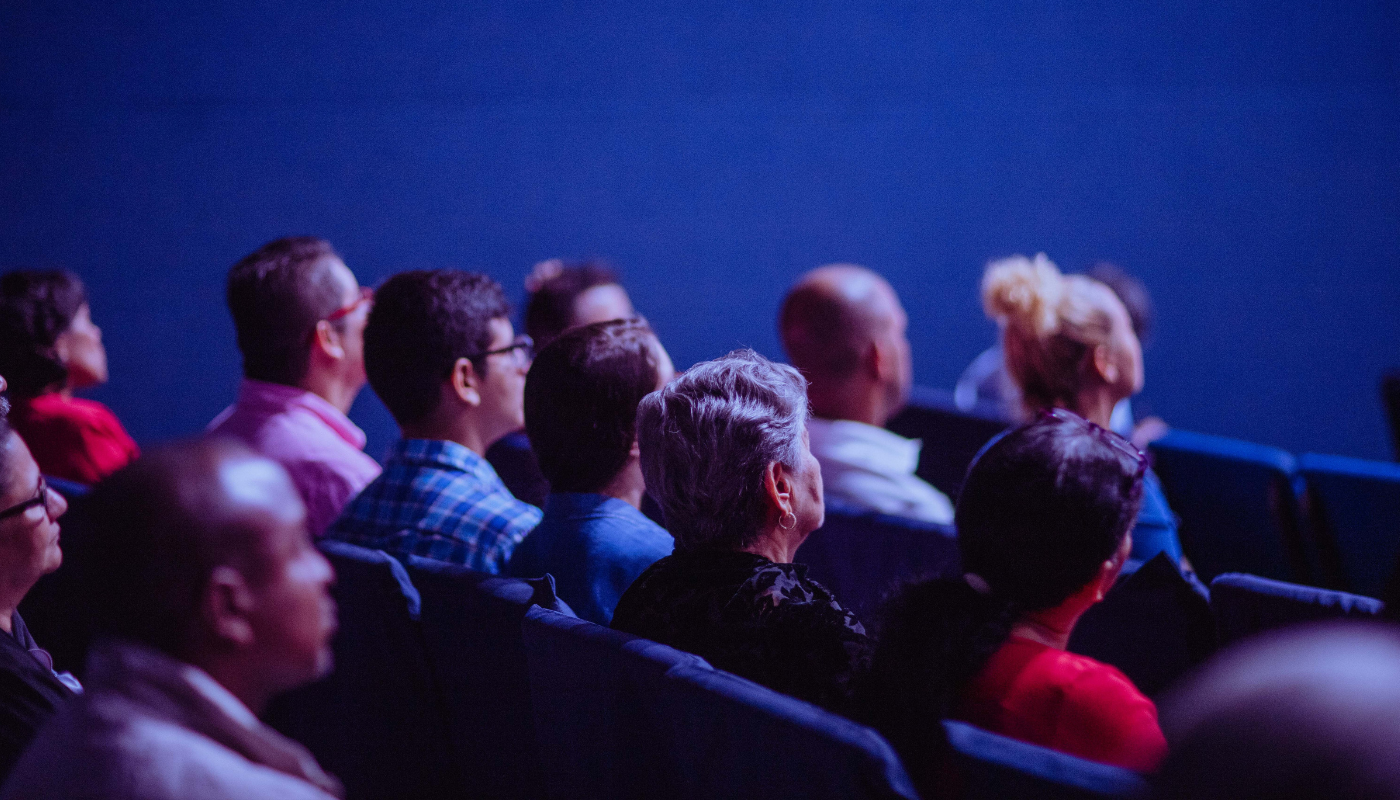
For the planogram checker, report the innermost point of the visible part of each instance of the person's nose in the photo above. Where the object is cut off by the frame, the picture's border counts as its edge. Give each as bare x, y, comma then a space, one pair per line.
56, 504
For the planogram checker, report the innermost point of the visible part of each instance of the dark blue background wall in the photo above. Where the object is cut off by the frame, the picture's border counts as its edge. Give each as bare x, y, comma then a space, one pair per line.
1243, 158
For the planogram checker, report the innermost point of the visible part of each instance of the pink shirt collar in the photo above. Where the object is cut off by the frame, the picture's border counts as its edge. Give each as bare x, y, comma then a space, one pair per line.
265, 398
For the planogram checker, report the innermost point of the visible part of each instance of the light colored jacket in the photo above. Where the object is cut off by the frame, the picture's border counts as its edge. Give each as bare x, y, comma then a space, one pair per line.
150, 727
872, 468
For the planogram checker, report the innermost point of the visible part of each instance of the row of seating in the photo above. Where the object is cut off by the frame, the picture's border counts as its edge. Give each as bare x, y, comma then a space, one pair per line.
1315, 519
451, 683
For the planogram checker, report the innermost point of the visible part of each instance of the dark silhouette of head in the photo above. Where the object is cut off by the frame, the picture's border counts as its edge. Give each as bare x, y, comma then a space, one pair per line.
1301, 714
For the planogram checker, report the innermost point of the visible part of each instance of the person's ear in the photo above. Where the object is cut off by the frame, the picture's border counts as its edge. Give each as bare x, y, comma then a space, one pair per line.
466, 382
1112, 567
636, 452
327, 339
225, 605
778, 485
63, 347
1105, 364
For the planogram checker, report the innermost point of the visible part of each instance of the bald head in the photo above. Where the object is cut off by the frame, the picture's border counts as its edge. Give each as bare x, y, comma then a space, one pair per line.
164, 524
832, 316
843, 326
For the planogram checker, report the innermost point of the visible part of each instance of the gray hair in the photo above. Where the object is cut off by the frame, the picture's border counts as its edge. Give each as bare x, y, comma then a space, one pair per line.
707, 438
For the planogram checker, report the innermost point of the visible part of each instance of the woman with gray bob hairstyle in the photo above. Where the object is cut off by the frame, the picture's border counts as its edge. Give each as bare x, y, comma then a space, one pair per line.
725, 454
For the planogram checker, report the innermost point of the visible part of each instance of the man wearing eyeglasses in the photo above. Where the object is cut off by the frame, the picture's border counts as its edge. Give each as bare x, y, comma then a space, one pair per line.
441, 353
300, 317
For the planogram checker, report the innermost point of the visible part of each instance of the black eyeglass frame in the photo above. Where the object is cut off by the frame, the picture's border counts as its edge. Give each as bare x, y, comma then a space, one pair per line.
521, 342
40, 498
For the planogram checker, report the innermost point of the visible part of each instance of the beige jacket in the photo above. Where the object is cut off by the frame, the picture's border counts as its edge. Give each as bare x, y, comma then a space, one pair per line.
153, 728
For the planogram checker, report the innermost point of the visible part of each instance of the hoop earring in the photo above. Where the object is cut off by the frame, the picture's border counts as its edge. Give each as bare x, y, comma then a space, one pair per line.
783, 521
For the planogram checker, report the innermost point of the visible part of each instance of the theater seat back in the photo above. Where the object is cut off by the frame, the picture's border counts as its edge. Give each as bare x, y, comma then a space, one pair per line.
627, 717
1244, 605
591, 688
993, 767
1237, 503
861, 556
377, 721
951, 437
1354, 507
471, 627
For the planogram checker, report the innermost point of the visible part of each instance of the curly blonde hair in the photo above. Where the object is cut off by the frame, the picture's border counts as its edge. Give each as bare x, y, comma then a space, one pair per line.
1051, 323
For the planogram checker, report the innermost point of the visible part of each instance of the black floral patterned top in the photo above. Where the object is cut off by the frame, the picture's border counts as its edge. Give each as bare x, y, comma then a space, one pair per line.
743, 613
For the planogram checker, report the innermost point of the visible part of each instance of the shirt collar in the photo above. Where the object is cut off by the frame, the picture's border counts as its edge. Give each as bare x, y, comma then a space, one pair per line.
444, 454
858, 443
280, 397
579, 504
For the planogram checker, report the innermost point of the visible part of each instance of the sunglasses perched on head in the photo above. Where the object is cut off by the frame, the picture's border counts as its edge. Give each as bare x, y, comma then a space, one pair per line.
1104, 435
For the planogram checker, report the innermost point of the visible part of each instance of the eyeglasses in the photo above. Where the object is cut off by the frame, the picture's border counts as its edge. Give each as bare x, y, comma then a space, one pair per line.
366, 295
1108, 437
40, 498
523, 347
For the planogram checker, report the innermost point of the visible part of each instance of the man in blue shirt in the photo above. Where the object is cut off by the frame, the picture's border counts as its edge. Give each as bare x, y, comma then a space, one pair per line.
581, 415
442, 355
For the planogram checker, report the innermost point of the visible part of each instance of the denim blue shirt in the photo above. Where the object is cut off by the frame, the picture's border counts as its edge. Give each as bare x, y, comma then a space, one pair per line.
439, 500
595, 547
1155, 531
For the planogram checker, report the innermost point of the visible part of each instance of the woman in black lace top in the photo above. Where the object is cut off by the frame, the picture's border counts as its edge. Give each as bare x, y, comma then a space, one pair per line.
724, 451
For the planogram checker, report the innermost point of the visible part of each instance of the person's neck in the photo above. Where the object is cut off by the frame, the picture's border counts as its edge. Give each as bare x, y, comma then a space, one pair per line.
10, 596
862, 402
332, 388
460, 429
627, 485
1096, 405
1051, 627
230, 674
776, 545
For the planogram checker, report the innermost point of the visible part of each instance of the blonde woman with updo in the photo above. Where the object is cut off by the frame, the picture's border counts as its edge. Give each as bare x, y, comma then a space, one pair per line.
1069, 343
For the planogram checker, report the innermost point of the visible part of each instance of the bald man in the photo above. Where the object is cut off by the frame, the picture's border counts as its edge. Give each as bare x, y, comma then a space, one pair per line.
843, 326
209, 598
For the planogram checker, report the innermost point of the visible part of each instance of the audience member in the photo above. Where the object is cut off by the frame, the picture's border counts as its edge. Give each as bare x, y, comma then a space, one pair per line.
564, 295
581, 401
1070, 344
1044, 526
844, 328
209, 599
1302, 714
300, 317
50, 348
561, 296
30, 691
724, 451
442, 355
986, 384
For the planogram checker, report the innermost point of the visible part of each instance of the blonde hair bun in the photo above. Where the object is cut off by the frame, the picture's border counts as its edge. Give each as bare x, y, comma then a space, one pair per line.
1024, 293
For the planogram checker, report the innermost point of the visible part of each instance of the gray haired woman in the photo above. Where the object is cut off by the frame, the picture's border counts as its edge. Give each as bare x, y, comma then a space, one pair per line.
724, 452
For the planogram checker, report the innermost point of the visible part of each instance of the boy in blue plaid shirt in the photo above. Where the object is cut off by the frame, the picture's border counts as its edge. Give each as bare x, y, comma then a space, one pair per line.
441, 353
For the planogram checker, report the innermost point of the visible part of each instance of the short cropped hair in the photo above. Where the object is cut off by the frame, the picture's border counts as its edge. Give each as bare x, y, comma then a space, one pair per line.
276, 295
549, 308
36, 306
708, 437
581, 401
421, 323
157, 530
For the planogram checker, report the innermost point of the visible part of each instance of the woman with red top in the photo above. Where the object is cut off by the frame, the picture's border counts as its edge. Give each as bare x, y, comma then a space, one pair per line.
1044, 526
49, 348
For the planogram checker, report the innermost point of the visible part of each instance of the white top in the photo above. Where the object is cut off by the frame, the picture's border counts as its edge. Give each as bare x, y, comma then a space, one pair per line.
872, 468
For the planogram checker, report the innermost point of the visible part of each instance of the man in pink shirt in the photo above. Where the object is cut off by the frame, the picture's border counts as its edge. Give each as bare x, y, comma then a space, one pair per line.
300, 317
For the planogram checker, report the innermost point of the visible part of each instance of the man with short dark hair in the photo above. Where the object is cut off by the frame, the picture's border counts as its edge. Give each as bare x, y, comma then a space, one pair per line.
300, 317
581, 413
208, 598
843, 326
441, 353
